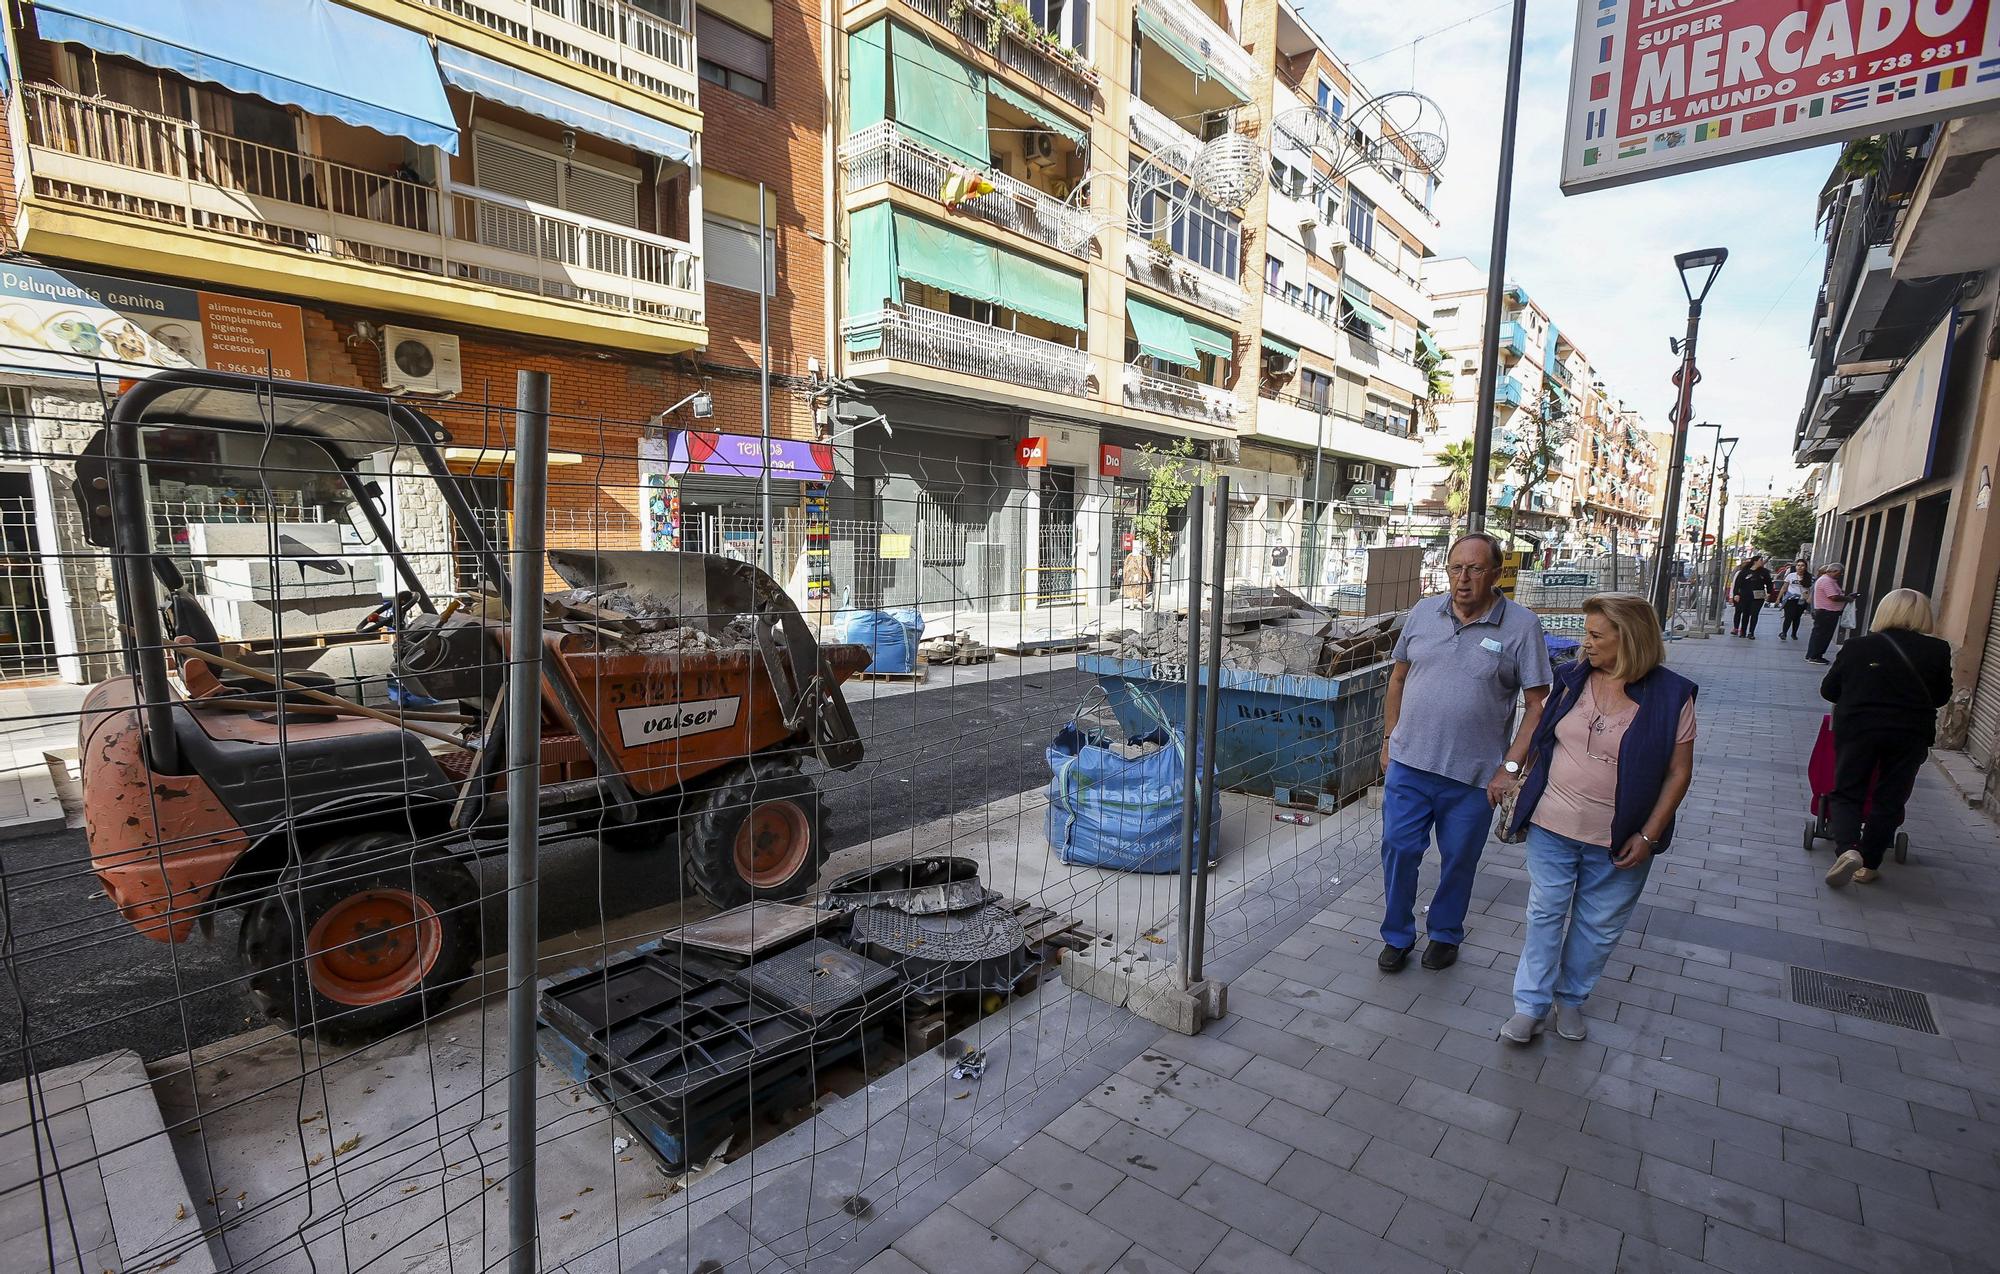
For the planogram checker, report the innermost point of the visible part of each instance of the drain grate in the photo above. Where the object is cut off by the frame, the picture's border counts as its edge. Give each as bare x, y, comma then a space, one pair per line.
1872, 1000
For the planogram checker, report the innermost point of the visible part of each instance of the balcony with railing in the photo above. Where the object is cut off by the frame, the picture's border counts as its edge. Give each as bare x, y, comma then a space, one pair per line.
649, 47
1148, 390
882, 152
1154, 130
1019, 47
1513, 338
1206, 36
1509, 392
1313, 422
964, 347
1183, 279
90, 153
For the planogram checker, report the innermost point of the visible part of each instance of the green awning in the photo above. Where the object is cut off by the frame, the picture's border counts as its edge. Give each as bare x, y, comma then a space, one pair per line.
871, 271
1358, 299
867, 77
1162, 333
1029, 287
1211, 340
1429, 345
1039, 113
947, 260
1156, 30
928, 253
1283, 349
940, 98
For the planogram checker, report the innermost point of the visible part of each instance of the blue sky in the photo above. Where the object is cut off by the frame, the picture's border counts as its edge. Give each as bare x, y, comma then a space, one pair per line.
1602, 263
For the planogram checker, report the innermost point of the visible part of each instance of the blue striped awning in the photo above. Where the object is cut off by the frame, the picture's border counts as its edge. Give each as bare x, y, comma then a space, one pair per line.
321, 57
524, 91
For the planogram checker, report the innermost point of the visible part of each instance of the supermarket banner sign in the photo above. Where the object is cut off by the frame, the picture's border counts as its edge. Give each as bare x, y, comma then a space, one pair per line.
69, 321
1666, 86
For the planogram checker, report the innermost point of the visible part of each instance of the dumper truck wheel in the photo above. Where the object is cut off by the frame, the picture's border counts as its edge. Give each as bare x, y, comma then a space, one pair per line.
758, 834
362, 937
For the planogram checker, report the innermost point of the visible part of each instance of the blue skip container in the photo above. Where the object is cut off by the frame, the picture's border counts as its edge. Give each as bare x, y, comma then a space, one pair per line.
1318, 739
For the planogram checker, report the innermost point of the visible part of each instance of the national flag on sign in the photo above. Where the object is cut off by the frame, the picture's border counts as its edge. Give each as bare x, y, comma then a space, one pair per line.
1604, 49
1711, 129
1988, 70
1792, 112
1754, 120
1630, 146
1852, 99
1600, 86
1894, 90
1590, 157
1950, 77
1593, 124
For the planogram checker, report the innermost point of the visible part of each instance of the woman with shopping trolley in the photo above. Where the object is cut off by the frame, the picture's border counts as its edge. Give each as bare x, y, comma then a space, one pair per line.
1885, 688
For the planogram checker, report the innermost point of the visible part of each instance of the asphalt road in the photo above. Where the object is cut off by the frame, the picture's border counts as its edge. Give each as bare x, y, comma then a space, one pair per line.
83, 983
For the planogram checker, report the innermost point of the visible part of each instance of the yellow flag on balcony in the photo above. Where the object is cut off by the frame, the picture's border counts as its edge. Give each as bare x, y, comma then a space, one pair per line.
962, 184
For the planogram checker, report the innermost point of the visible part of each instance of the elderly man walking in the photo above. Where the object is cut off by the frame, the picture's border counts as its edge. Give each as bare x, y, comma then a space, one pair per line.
1461, 661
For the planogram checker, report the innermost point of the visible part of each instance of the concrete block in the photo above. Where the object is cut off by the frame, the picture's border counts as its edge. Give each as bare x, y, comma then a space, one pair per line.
254, 539
297, 578
1148, 987
241, 620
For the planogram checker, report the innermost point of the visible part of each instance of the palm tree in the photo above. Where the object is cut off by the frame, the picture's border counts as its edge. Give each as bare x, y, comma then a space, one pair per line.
1457, 461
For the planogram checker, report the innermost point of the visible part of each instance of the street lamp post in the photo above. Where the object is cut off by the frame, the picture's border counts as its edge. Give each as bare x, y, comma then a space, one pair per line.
1708, 499
1496, 280
1725, 448
1699, 267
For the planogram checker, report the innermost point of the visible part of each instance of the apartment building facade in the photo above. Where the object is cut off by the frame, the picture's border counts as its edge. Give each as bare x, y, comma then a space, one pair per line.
422, 199
1902, 412
1585, 473
1031, 345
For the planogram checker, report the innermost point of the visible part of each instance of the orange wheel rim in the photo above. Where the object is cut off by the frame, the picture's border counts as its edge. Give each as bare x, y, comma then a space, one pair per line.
373, 946
771, 843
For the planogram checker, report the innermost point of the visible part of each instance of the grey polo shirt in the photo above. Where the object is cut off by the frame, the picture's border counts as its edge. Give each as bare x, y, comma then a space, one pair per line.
1458, 699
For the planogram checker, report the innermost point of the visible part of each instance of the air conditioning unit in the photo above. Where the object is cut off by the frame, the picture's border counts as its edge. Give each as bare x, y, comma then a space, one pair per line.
1357, 473
1041, 148
419, 362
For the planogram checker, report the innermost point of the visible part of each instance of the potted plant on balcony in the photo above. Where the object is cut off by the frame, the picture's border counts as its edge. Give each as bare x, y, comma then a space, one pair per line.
1160, 253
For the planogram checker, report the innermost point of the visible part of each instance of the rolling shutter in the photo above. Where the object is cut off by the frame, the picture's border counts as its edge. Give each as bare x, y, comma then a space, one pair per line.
1985, 733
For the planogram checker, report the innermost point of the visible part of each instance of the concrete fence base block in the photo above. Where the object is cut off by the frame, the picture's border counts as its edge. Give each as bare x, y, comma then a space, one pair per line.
1148, 987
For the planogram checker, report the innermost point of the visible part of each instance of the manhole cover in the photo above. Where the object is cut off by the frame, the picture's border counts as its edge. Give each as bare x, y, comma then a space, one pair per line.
1856, 998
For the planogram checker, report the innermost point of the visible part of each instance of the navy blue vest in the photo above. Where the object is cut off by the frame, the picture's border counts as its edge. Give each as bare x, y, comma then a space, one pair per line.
1643, 755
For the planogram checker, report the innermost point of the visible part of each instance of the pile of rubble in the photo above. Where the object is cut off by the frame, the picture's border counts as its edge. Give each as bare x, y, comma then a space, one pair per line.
956, 648
629, 621
1271, 632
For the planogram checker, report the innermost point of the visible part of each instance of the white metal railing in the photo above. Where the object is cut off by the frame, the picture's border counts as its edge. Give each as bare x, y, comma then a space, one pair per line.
1203, 34
103, 155
883, 152
1190, 400
1153, 129
980, 23
953, 344
616, 38
1184, 279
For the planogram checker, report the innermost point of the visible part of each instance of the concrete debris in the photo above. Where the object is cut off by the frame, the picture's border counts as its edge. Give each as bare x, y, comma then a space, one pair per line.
955, 648
668, 641
621, 617
1271, 632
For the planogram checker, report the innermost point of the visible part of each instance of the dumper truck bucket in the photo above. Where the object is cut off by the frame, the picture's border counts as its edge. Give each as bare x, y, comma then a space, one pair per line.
708, 591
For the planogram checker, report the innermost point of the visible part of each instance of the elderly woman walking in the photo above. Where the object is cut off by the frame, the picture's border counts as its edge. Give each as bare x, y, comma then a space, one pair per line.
1611, 760
1885, 688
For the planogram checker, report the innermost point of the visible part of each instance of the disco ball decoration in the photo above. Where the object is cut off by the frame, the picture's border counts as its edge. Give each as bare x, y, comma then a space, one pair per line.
1151, 200
1229, 171
1405, 124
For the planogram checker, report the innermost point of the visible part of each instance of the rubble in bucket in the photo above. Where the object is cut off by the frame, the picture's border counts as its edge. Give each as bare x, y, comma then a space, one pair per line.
1272, 632
633, 621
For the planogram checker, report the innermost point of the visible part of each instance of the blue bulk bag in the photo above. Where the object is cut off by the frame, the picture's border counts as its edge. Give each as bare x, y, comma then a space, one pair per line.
912, 621
886, 638
1109, 811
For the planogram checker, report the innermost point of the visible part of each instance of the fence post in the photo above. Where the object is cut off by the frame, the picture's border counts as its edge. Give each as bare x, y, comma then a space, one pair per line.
524, 805
1210, 736
1190, 772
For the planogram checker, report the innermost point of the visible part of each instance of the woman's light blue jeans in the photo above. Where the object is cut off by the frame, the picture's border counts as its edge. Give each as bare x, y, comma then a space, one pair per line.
1578, 904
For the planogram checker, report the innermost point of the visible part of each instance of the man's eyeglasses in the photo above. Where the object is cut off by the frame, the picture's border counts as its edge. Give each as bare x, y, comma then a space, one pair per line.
1461, 569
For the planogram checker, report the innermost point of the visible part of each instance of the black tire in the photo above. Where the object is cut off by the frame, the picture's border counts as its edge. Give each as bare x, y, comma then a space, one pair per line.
1812, 834
346, 882
1902, 847
772, 787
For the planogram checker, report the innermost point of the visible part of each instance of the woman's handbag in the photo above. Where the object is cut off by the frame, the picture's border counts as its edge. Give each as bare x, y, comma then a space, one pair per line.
1504, 833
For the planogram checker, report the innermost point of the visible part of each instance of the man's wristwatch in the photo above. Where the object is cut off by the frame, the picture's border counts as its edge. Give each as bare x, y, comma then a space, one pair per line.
1512, 767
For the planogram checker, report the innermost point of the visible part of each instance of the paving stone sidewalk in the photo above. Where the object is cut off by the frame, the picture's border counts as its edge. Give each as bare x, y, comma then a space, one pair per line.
1340, 1119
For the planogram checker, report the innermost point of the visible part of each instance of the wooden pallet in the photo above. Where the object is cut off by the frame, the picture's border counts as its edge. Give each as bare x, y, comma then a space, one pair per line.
914, 676
1052, 929
1047, 645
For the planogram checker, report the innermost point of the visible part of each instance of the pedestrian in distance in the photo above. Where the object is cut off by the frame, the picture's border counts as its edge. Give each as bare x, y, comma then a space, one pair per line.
1462, 660
1885, 687
1828, 600
1748, 590
1796, 598
1136, 575
1610, 763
